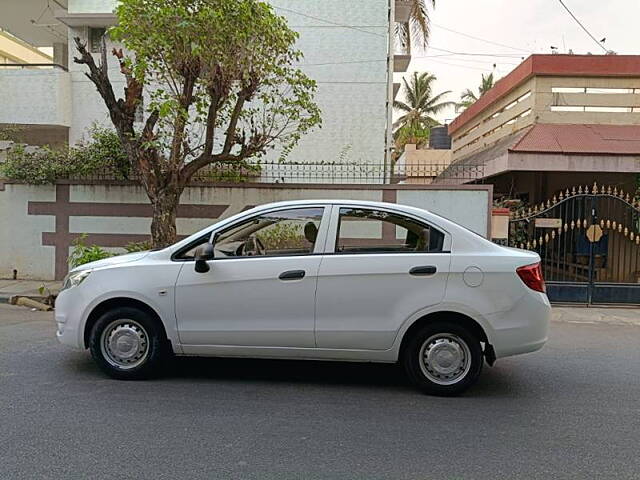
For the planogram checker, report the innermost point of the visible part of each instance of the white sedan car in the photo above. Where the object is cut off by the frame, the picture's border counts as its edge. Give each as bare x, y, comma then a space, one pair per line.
323, 280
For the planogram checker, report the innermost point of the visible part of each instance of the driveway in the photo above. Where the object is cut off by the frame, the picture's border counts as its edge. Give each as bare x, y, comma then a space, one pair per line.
569, 411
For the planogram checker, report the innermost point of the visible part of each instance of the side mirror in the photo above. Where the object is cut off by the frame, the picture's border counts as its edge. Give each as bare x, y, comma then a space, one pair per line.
203, 255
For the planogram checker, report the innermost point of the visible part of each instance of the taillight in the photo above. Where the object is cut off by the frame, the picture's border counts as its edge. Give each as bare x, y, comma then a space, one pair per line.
531, 275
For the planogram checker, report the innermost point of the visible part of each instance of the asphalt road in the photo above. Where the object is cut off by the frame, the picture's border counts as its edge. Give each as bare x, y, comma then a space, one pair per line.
569, 411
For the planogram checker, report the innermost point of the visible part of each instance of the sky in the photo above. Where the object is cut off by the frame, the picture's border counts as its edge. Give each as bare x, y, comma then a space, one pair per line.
524, 27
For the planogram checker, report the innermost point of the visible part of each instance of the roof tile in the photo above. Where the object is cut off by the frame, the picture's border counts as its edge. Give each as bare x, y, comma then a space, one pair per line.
581, 139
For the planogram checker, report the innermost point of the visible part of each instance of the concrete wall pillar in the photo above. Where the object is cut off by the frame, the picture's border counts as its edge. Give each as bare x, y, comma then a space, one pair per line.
61, 54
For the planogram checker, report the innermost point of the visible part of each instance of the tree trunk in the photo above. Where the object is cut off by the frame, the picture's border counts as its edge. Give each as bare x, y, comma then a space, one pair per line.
163, 221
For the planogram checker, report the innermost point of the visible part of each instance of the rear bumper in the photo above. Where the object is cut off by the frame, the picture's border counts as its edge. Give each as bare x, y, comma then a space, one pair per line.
524, 328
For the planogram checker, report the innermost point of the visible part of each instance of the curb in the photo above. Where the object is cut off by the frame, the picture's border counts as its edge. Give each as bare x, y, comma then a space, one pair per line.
6, 298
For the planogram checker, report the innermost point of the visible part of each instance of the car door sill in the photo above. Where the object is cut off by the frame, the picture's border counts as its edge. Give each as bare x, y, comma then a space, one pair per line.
292, 353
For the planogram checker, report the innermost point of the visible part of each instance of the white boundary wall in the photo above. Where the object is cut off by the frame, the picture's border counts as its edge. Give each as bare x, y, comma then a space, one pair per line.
37, 223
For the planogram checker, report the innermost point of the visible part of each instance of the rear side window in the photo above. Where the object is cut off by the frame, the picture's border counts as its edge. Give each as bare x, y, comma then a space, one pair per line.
376, 231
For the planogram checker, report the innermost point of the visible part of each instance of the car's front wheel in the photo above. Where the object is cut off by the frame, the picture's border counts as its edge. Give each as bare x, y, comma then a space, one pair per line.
443, 358
127, 344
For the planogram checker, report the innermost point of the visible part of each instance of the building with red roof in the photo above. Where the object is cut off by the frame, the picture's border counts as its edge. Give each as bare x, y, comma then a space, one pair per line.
554, 122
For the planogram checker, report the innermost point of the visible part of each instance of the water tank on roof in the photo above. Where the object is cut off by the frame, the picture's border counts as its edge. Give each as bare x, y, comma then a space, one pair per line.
439, 138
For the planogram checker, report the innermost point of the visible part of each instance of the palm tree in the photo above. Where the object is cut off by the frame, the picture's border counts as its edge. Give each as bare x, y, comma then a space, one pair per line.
421, 104
414, 125
468, 97
417, 30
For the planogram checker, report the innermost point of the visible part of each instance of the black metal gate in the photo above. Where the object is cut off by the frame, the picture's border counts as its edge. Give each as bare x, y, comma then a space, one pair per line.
589, 243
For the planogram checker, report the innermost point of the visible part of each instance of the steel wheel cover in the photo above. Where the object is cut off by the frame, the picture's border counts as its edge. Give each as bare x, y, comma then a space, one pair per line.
124, 344
445, 358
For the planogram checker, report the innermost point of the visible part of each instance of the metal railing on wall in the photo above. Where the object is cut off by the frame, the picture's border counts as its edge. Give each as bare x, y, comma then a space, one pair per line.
323, 173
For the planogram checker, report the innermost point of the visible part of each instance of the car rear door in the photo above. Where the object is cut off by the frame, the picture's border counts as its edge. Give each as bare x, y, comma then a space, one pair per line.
380, 267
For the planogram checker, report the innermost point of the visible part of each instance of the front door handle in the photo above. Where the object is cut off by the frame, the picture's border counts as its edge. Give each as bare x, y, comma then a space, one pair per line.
292, 275
423, 270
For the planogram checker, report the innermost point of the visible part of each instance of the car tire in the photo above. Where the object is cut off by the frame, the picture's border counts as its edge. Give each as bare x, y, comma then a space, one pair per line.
443, 359
128, 344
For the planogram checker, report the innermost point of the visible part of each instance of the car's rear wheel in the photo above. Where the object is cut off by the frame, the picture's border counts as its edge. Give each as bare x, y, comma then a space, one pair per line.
127, 344
443, 358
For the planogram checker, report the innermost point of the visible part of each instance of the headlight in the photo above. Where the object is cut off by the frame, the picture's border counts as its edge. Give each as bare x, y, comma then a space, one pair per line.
75, 278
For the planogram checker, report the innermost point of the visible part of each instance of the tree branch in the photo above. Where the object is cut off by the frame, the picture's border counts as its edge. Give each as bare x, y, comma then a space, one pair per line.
147, 131
100, 77
233, 123
133, 90
212, 118
244, 95
186, 98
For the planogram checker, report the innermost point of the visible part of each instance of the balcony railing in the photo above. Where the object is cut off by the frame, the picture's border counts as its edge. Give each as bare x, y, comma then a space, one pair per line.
22, 66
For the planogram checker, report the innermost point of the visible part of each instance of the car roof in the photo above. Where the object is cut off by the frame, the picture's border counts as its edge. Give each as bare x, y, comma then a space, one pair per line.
334, 201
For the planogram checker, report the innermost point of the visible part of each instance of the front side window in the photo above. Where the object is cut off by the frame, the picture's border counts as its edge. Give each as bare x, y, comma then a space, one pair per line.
285, 232
376, 231
189, 252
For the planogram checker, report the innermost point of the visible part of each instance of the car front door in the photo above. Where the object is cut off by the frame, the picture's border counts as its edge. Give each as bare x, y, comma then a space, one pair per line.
385, 266
260, 288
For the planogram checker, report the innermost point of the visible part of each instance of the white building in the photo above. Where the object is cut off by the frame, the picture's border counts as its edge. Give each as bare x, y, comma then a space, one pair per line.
348, 48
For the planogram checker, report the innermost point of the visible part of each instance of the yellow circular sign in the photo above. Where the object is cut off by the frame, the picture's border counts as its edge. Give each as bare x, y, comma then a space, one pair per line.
594, 233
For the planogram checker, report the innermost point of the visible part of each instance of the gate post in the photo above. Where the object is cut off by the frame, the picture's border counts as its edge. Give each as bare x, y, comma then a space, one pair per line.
594, 221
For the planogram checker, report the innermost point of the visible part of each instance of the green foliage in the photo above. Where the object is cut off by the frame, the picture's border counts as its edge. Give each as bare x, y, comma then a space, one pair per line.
518, 231
421, 103
238, 54
241, 172
409, 134
137, 247
42, 166
282, 236
468, 97
103, 154
417, 31
49, 297
82, 253
10, 132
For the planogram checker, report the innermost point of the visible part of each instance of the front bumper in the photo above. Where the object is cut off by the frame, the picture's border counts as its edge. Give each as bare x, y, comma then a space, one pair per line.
68, 315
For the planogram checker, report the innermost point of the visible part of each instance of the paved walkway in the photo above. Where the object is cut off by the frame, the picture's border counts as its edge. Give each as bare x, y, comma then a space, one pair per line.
30, 288
606, 315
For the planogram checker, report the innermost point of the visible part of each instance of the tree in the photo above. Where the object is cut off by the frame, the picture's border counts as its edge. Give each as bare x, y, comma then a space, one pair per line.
421, 104
414, 125
417, 30
222, 89
468, 97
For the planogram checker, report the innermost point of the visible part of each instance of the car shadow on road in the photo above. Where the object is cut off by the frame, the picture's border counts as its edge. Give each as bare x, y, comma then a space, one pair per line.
492, 383
287, 371
495, 382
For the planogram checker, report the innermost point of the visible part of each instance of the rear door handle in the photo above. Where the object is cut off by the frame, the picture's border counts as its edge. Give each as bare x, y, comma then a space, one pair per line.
423, 270
292, 275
